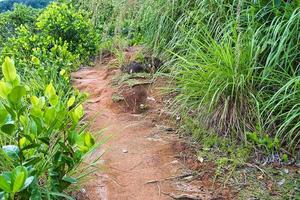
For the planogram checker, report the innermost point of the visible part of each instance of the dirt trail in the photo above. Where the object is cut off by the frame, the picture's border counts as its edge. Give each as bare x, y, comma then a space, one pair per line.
139, 151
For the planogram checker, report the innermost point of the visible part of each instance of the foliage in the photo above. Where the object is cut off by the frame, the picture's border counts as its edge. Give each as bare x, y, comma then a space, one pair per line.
45, 141
6, 5
63, 22
235, 63
42, 138
11, 20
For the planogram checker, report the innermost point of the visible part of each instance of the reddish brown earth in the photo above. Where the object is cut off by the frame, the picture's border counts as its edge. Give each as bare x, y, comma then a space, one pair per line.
142, 160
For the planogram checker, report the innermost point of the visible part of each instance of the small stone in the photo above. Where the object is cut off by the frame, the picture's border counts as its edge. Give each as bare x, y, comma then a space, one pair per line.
125, 151
150, 99
201, 159
286, 171
260, 177
281, 182
175, 162
169, 129
83, 190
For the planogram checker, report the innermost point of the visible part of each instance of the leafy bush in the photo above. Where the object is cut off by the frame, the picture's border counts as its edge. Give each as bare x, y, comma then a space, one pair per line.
10, 21
40, 138
63, 22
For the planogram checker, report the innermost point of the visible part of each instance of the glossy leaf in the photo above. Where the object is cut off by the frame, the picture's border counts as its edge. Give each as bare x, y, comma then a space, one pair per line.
71, 101
50, 91
5, 89
17, 93
9, 70
4, 184
19, 176
88, 140
12, 151
8, 128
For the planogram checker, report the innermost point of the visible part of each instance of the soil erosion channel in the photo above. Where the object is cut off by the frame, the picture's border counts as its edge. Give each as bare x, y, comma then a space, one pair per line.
140, 161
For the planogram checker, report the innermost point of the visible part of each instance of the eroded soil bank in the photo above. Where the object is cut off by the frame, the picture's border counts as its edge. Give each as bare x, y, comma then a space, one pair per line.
143, 159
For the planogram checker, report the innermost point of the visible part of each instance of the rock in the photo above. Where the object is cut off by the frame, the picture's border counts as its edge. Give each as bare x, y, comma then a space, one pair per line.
125, 151
150, 99
281, 182
201, 159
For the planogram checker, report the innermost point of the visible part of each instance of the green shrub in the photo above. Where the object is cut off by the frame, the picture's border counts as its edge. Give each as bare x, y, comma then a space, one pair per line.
63, 22
11, 20
40, 138
41, 58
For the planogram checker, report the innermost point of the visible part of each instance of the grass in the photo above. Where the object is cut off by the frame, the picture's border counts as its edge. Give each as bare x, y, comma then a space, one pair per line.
235, 69
236, 166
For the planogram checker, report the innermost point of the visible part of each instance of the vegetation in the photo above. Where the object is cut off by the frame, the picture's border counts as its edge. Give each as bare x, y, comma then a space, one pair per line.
6, 5
234, 65
229, 64
42, 139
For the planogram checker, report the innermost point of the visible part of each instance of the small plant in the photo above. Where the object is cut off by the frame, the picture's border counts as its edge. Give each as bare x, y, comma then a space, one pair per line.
264, 141
40, 139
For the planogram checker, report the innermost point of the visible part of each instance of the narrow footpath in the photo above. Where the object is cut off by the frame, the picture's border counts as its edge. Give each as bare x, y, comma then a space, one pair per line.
141, 159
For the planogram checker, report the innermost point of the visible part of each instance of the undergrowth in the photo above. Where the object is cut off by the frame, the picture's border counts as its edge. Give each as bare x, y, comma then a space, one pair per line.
234, 63
43, 140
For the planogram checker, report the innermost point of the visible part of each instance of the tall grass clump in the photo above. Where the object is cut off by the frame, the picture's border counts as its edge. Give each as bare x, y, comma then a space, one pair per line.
278, 77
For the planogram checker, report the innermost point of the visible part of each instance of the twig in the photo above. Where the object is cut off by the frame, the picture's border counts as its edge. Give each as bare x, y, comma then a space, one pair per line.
171, 178
260, 169
159, 191
183, 196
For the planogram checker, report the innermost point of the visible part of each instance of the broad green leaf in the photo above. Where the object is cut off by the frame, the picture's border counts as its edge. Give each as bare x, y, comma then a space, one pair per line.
34, 101
88, 140
22, 142
33, 127
83, 149
54, 100
9, 70
3, 114
50, 115
79, 112
8, 128
71, 101
28, 181
11, 151
42, 102
50, 91
69, 179
36, 111
4, 184
5, 89
17, 81
19, 175
17, 93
